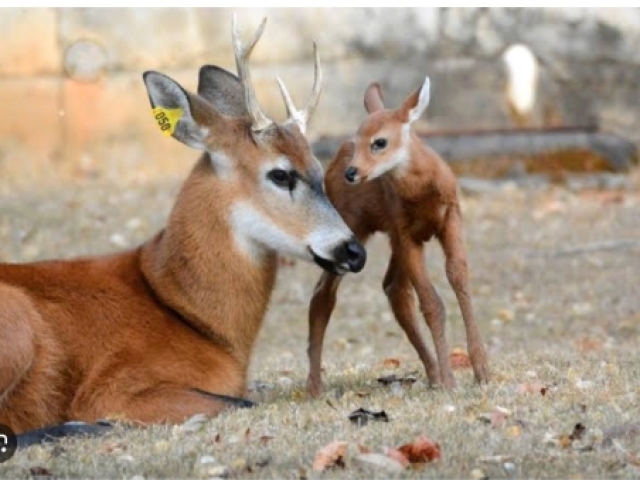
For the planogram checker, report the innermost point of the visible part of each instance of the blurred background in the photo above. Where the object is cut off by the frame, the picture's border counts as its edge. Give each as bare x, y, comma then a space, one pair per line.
74, 104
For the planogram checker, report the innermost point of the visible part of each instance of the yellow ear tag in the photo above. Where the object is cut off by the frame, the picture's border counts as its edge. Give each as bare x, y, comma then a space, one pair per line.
167, 118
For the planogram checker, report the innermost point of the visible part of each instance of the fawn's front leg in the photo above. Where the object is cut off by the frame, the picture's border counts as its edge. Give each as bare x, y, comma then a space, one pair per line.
431, 306
458, 276
399, 291
322, 303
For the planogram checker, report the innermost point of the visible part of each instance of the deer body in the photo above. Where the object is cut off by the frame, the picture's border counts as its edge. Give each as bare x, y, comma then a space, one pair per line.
402, 188
166, 330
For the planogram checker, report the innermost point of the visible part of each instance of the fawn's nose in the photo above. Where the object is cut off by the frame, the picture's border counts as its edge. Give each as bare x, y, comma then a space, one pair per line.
351, 174
353, 254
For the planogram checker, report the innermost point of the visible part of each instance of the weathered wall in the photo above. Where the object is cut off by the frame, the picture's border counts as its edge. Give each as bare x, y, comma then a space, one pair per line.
73, 99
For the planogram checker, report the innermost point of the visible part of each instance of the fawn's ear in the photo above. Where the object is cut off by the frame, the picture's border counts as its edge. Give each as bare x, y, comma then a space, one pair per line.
373, 98
173, 110
416, 103
223, 90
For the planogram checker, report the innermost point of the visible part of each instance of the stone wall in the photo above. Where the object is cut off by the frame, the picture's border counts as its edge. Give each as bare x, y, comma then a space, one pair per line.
73, 98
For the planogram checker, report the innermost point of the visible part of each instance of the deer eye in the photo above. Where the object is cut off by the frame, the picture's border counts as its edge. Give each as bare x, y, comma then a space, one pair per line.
378, 144
282, 178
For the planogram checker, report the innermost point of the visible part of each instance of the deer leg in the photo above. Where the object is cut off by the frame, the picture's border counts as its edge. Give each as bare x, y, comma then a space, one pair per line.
322, 303
29, 365
163, 403
458, 276
397, 287
431, 307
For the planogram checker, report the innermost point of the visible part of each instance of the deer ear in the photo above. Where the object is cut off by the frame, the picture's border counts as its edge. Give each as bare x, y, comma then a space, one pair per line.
416, 103
373, 98
173, 110
223, 90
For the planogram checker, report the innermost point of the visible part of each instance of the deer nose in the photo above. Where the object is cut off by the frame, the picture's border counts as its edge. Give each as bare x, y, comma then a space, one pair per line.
351, 174
353, 253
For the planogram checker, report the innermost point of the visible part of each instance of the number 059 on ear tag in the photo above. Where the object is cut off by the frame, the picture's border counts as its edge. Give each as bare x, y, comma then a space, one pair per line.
167, 118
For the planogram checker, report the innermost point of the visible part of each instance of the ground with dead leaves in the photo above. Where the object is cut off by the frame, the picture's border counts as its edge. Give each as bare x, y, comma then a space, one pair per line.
555, 277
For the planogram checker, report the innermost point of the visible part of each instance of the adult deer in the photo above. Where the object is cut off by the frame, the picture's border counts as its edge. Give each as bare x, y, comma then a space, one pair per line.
403, 188
166, 330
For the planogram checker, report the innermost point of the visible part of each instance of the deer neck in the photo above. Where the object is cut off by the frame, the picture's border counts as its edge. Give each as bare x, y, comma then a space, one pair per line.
419, 175
194, 267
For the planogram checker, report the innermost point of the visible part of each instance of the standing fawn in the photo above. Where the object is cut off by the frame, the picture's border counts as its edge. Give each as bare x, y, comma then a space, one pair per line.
166, 330
403, 188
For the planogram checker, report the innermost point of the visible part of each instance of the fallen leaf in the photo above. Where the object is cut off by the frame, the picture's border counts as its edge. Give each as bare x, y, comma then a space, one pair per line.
565, 441
578, 431
505, 314
112, 446
585, 345
363, 448
361, 416
247, 435
194, 423
405, 380
459, 360
265, 438
391, 363
397, 455
363, 393
532, 387
513, 431
379, 460
421, 450
330, 455
40, 472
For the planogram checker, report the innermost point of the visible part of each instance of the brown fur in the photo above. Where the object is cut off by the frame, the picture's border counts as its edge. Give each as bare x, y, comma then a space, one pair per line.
411, 204
133, 335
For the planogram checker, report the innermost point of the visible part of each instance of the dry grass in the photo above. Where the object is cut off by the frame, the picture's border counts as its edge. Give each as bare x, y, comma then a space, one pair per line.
565, 320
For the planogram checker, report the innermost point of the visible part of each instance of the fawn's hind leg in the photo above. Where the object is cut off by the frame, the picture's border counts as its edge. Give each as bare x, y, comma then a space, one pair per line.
322, 304
458, 276
399, 291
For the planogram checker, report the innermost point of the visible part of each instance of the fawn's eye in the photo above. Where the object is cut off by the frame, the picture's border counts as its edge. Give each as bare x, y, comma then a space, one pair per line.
378, 144
282, 178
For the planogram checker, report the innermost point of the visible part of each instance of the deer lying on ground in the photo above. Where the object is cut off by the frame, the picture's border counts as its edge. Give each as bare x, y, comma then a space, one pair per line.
404, 189
166, 330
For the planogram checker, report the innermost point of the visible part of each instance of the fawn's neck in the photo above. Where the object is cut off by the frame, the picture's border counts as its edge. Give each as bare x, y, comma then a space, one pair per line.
195, 269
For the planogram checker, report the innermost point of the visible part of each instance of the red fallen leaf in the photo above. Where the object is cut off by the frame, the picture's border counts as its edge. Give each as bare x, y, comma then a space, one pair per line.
265, 438
421, 450
330, 455
459, 360
397, 455
391, 363
585, 344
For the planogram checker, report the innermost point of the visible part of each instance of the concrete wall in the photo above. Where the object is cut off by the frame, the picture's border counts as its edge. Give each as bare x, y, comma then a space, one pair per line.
73, 99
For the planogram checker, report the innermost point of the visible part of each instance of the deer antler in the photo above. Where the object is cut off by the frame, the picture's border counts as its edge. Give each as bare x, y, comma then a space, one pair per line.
301, 117
242, 54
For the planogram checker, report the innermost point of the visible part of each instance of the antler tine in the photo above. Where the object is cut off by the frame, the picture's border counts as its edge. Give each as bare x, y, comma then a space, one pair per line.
293, 114
242, 54
301, 117
307, 113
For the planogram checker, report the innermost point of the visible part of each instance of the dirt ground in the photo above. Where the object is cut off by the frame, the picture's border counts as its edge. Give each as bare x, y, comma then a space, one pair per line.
554, 276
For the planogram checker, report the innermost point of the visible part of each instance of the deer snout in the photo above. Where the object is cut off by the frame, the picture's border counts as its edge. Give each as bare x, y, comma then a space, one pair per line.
351, 175
352, 253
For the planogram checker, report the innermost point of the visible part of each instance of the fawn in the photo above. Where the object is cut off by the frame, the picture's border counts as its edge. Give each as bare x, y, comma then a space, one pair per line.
403, 188
166, 330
